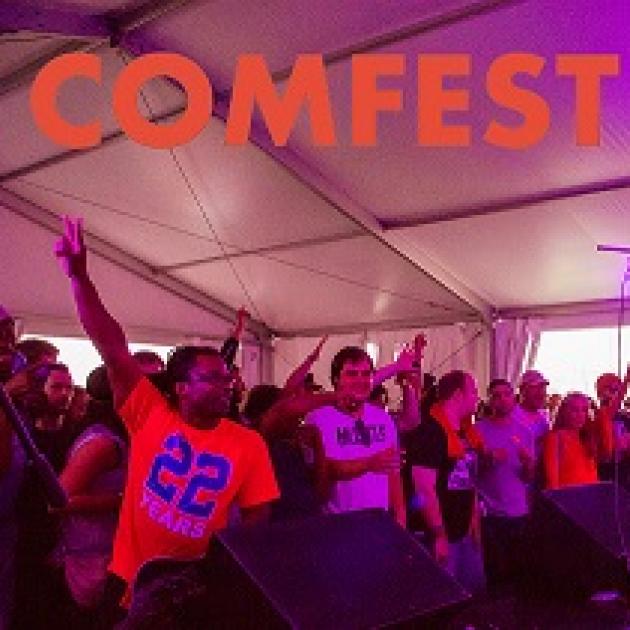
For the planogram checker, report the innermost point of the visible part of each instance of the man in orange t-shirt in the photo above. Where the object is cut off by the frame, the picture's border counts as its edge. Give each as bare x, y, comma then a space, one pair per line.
188, 464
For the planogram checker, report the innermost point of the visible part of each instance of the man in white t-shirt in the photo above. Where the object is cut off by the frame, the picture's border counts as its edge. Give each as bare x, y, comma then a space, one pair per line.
360, 441
531, 411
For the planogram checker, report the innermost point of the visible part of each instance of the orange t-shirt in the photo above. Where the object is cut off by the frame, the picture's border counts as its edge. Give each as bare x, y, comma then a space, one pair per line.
567, 461
181, 482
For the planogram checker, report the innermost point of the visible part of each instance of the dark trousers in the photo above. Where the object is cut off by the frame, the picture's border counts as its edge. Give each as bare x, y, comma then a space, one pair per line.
504, 550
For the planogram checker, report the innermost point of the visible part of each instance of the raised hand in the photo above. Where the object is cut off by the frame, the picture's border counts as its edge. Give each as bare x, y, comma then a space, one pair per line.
70, 248
419, 344
405, 360
318, 348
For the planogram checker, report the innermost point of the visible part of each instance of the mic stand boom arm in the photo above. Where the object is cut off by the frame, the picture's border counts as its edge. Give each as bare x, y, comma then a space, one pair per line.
55, 494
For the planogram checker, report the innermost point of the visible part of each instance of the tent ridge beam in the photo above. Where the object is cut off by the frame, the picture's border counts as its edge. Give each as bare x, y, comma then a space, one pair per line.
51, 222
142, 15
510, 204
425, 25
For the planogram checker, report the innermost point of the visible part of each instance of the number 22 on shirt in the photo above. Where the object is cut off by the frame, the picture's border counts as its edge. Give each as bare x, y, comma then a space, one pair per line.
178, 458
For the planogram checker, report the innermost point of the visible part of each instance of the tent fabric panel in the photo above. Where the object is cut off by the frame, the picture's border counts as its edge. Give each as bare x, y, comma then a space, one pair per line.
245, 196
398, 179
155, 243
217, 34
299, 296
80, 101
32, 285
543, 254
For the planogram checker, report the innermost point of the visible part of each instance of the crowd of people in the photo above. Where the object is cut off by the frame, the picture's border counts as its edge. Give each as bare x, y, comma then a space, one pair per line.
155, 458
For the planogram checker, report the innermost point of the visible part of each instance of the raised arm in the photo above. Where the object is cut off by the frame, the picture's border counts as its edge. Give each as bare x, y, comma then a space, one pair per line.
230, 345
407, 361
296, 378
409, 415
285, 415
103, 330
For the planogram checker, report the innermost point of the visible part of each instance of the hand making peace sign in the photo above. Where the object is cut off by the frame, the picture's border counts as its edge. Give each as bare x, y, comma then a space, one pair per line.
70, 248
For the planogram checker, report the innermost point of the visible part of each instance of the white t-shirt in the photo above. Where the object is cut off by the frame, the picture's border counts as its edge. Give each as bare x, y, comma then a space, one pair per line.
346, 438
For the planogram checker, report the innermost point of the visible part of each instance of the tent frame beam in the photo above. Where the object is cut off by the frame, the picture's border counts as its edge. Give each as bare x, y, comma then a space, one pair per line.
424, 25
19, 16
511, 204
51, 222
18, 77
417, 323
591, 307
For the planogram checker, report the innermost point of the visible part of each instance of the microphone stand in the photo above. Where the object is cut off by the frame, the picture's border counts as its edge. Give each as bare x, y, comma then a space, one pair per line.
55, 494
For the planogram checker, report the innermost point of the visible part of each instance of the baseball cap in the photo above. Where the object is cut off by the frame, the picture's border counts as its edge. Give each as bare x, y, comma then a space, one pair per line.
533, 377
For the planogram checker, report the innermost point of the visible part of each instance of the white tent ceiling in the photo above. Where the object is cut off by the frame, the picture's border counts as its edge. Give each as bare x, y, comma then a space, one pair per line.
313, 239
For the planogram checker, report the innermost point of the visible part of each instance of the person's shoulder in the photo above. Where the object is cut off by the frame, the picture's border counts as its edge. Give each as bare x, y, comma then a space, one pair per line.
239, 429
322, 414
93, 432
240, 434
144, 393
483, 425
375, 413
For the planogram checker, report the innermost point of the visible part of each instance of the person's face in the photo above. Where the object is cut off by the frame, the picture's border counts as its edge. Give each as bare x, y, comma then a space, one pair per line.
355, 379
534, 395
501, 400
58, 389
576, 412
207, 389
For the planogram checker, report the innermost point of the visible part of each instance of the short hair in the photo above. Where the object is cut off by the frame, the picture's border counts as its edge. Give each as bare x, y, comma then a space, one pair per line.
98, 386
495, 382
349, 354
261, 398
183, 358
450, 383
42, 373
147, 356
34, 348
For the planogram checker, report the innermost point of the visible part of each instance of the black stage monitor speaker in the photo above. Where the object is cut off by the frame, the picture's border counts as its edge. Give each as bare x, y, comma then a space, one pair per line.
579, 539
355, 570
